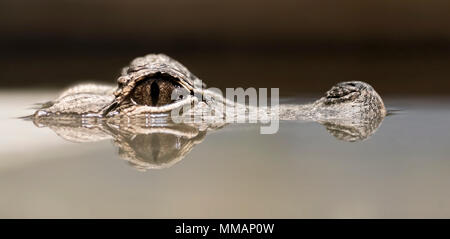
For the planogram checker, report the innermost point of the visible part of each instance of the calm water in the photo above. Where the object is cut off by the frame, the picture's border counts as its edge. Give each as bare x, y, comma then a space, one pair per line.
402, 170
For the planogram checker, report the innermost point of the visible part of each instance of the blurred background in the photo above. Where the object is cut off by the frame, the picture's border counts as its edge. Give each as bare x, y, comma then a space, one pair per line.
301, 47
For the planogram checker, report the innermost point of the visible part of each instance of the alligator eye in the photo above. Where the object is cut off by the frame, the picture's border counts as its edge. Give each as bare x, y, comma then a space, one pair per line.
154, 91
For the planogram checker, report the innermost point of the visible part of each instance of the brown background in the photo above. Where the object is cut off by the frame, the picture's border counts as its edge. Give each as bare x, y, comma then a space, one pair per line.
400, 47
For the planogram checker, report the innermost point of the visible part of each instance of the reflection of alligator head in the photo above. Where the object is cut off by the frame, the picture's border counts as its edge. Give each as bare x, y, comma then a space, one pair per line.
136, 112
156, 144
352, 131
157, 147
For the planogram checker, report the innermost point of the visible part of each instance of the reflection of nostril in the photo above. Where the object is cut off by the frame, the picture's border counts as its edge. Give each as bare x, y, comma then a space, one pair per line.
154, 92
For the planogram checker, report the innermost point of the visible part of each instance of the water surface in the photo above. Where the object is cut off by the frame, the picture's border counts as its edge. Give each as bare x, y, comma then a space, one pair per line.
402, 170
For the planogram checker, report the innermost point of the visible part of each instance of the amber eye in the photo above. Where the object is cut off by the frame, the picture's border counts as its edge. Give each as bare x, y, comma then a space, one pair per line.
154, 91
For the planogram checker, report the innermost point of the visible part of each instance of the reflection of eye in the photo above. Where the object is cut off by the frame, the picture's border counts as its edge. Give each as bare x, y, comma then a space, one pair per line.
154, 91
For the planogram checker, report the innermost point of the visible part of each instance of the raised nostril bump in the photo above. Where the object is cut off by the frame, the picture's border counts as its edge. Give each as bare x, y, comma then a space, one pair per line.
154, 92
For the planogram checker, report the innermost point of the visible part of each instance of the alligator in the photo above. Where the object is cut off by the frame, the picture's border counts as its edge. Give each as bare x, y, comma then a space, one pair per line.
137, 112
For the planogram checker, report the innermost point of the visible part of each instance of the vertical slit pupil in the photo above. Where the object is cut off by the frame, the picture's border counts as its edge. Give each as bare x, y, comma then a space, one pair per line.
154, 92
